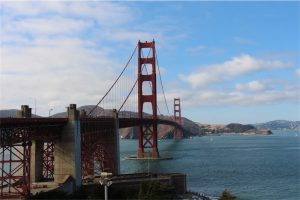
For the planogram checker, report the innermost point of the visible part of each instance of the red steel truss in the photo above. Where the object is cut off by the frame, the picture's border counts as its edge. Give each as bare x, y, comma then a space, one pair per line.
15, 170
15, 151
178, 134
48, 160
97, 147
147, 134
97, 155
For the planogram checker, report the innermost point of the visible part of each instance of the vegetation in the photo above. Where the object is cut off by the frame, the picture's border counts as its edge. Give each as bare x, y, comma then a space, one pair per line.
155, 190
239, 128
227, 196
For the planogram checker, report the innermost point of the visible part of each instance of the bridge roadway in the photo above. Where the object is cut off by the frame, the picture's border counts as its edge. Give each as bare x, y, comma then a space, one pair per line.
16, 130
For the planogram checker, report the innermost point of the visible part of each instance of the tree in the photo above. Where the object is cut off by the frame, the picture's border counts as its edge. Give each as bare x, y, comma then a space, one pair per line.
155, 190
227, 196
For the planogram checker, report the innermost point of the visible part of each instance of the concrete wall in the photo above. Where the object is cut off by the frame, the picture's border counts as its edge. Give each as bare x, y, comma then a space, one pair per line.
67, 151
36, 165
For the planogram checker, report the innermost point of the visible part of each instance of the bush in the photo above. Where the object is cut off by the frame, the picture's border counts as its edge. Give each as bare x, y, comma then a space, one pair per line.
156, 190
227, 196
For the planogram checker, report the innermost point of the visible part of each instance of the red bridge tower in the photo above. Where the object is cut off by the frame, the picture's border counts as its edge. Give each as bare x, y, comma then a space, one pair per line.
147, 134
178, 134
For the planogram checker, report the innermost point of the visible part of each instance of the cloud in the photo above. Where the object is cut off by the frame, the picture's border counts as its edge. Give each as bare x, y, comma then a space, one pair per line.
251, 86
104, 13
196, 49
297, 72
55, 75
205, 50
243, 41
237, 66
61, 52
47, 26
249, 94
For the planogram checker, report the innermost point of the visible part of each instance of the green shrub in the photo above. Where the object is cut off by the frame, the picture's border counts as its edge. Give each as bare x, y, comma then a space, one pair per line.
155, 190
227, 196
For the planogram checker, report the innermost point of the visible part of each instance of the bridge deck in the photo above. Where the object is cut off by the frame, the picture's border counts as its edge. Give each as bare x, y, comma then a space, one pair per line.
15, 130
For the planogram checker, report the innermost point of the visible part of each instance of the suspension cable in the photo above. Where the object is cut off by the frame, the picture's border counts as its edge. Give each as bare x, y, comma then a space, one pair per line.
161, 83
134, 83
114, 82
128, 95
143, 67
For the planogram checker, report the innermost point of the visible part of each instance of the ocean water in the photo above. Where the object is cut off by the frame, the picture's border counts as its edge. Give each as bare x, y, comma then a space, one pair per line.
251, 167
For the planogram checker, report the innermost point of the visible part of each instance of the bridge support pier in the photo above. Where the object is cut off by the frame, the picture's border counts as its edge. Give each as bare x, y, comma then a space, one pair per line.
67, 151
36, 158
117, 143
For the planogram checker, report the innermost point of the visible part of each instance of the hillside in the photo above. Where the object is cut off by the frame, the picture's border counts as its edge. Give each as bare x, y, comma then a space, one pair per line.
12, 113
240, 128
233, 128
164, 131
279, 125
8, 113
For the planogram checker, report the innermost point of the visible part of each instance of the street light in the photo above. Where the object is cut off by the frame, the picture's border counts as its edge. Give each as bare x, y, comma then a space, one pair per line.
104, 180
50, 111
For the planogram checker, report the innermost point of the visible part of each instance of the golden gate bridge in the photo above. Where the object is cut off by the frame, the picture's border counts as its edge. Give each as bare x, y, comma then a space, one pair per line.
86, 143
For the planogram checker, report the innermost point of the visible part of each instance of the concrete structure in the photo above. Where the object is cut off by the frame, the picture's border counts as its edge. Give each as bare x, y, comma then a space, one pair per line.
177, 180
117, 142
25, 112
67, 151
36, 159
133, 182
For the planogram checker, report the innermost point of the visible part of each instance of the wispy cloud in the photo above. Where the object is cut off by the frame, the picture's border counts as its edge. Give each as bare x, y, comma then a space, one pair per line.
205, 50
297, 72
256, 92
56, 52
256, 86
243, 41
237, 66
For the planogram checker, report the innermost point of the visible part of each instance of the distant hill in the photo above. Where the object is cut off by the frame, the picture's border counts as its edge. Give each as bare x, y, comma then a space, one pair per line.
279, 125
8, 113
12, 113
164, 131
190, 128
239, 128
233, 128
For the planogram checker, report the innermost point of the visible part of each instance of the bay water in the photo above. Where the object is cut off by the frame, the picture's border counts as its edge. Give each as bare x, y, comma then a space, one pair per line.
260, 167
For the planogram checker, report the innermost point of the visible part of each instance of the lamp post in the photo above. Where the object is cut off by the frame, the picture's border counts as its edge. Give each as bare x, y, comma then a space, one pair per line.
104, 180
50, 111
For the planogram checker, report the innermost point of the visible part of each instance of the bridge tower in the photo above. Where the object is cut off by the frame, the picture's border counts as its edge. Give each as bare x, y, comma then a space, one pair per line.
147, 134
178, 134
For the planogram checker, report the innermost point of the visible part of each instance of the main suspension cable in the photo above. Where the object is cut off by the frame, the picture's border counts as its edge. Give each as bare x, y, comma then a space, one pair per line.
114, 82
161, 83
